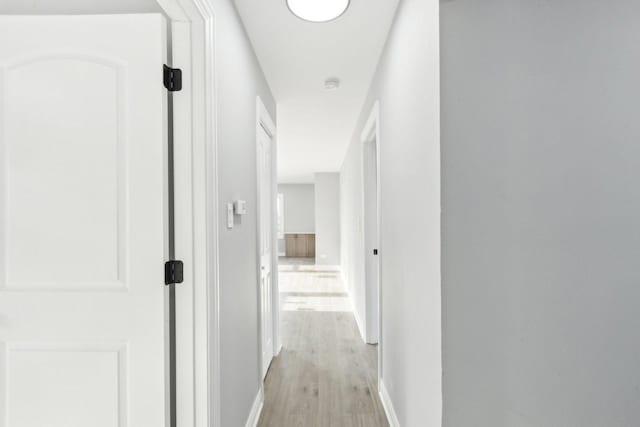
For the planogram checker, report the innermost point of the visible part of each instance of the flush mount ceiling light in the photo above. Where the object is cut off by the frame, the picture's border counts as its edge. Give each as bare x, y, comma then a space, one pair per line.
318, 10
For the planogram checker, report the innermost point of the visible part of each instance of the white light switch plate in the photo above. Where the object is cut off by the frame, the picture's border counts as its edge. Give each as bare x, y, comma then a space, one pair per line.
229, 215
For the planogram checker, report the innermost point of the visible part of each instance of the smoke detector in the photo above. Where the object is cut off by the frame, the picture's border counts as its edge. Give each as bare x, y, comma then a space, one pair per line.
331, 84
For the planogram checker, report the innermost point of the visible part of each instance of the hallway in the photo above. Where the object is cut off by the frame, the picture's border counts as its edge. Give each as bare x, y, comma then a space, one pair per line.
325, 375
208, 208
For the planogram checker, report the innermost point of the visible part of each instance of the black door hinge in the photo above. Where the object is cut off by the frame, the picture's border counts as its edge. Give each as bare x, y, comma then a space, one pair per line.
172, 78
173, 272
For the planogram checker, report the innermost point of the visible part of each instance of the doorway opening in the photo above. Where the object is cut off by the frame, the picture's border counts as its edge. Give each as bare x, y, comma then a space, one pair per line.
370, 138
267, 226
371, 221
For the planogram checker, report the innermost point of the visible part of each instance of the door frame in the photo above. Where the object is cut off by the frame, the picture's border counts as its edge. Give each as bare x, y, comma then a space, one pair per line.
196, 212
370, 182
371, 132
264, 123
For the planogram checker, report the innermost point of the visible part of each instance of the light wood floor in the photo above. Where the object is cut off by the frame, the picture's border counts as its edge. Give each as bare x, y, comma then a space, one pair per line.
325, 374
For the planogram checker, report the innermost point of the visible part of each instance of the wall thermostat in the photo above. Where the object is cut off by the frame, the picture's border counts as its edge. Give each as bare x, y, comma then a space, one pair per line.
240, 207
229, 215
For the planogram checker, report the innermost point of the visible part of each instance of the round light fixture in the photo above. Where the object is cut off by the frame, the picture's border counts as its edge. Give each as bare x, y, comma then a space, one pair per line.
318, 10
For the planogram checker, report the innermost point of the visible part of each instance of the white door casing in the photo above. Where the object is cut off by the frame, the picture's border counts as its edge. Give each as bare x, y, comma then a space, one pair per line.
371, 238
266, 250
267, 232
82, 224
370, 137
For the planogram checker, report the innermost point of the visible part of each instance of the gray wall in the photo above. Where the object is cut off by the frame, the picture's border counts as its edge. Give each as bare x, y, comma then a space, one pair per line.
352, 231
407, 86
240, 79
541, 209
299, 207
327, 206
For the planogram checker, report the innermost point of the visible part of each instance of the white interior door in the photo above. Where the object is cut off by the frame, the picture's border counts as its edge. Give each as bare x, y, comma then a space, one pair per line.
82, 224
266, 276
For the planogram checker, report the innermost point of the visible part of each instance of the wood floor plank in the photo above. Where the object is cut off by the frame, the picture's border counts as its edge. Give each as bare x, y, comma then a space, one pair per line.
325, 375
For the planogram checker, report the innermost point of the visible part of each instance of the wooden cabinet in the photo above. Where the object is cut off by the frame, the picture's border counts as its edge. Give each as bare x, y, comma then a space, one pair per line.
300, 245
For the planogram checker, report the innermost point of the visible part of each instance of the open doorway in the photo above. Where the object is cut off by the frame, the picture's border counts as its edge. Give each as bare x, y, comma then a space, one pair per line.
297, 238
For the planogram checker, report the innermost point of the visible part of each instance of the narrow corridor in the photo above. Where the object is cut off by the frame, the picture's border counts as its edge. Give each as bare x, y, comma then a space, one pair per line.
325, 374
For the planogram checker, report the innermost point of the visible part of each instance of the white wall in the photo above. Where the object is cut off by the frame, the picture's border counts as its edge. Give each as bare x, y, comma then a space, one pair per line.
407, 86
541, 208
299, 208
327, 206
352, 232
239, 80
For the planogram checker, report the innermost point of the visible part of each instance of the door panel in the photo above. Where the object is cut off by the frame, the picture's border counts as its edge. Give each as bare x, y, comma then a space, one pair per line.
42, 95
47, 378
82, 224
301, 245
290, 245
264, 162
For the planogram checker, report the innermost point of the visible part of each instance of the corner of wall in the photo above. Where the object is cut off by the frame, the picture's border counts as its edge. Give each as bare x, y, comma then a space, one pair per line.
389, 410
356, 315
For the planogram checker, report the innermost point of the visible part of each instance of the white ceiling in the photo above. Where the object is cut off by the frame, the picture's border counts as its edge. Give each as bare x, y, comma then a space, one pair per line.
315, 126
76, 7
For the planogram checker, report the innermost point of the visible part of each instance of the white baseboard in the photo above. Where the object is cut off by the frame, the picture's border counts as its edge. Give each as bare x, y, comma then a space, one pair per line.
388, 406
256, 409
